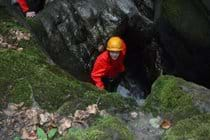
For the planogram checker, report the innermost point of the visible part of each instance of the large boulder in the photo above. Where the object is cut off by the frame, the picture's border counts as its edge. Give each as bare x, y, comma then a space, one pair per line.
206, 3
177, 98
184, 34
184, 103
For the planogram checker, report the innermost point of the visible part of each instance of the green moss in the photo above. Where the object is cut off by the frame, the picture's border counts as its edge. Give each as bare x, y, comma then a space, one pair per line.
196, 128
21, 91
168, 98
28, 72
189, 20
111, 101
106, 128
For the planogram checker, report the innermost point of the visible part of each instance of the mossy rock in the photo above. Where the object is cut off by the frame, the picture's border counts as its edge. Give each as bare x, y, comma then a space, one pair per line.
27, 76
195, 128
29, 68
176, 98
111, 101
189, 18
105, 128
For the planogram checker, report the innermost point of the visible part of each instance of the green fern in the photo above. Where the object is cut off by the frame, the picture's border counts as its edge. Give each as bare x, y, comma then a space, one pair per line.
43, 136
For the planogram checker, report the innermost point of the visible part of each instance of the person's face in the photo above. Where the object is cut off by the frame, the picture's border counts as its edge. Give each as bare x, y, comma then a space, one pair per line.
114, 55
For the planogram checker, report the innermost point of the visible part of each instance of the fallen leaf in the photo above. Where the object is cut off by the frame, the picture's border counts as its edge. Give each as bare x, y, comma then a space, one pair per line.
166, 124
32, 134
12, 107
1, 39
103, 113
20, 104
92, 109
134, 115
9, 112
27, 36
27, 136
81, 114
64, 124
32, 115
19, 38
20, 49
44, 118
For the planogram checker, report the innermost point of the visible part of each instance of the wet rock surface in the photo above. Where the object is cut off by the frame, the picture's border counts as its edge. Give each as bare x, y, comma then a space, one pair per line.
145, 130
145, 126
184, 31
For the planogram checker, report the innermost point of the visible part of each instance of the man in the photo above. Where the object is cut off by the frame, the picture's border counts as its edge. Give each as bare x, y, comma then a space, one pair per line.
31, 7
109, 66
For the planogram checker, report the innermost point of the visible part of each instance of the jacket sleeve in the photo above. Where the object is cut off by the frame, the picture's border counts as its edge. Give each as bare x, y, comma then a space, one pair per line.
23, 5
98, 73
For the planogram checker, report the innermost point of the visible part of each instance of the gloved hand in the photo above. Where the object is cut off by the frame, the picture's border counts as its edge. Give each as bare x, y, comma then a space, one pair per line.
101, 48
30, 14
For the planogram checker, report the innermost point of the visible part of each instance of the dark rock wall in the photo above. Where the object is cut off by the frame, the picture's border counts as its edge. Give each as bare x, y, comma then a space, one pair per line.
184, 31
76, 28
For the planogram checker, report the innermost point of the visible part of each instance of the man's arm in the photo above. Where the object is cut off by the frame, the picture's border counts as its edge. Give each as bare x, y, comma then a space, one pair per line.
98, 73
23, 5
25, 8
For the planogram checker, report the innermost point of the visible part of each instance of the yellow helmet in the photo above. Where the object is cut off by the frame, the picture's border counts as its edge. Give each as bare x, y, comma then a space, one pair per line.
114, 44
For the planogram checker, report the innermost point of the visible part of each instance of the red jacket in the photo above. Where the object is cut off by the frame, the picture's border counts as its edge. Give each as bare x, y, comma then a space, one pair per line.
23, 5
106, 67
